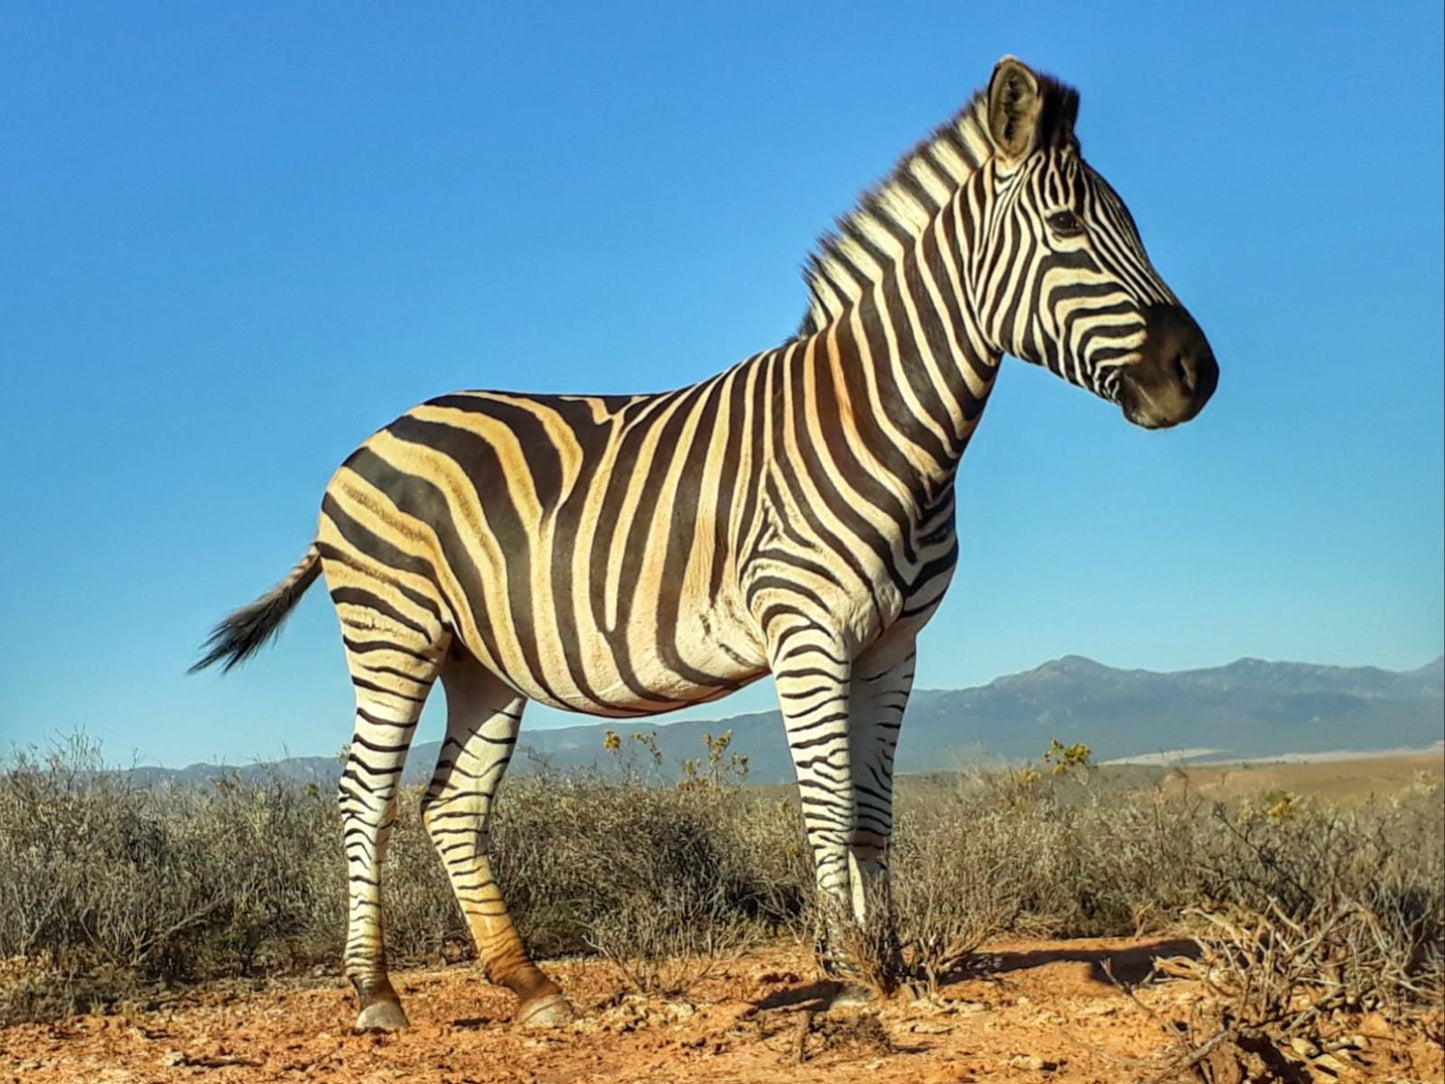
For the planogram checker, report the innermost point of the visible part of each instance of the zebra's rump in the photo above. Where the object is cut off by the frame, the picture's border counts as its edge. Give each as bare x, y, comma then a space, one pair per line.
536, 532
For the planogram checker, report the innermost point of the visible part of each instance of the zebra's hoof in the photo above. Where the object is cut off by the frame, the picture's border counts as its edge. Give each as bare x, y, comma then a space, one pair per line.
382, 1016
851, 996
551, 1011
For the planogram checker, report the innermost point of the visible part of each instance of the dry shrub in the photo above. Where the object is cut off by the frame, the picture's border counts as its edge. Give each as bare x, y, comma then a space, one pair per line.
107, 885
974, 856
1326, 915
1042, 855
958, 882
643, 875
574, 854
1375, 877
1023, 851
669, 881
110, 885
1054, 854
1284, 993
665, 947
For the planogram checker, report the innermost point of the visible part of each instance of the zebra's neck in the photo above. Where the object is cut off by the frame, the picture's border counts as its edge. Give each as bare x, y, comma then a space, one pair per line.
903, 374
881, 230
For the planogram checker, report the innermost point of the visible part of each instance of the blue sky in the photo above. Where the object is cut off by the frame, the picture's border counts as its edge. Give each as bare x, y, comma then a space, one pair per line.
236, 239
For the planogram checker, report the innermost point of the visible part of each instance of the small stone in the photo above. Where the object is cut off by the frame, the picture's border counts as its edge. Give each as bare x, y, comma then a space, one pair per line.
930, 1027
1032, 1061
1302, 1046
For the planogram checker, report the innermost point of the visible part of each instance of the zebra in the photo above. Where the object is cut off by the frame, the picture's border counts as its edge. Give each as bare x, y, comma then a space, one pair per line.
793, 515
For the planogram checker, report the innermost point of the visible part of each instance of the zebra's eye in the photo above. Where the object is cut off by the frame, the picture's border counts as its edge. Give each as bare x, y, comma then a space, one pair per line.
1065, 224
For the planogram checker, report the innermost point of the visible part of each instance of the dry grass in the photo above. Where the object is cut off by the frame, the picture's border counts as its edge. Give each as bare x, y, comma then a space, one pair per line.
1349, 783
1299, 907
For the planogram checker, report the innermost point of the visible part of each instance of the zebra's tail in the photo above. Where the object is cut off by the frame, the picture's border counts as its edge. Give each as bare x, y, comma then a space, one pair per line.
250, 628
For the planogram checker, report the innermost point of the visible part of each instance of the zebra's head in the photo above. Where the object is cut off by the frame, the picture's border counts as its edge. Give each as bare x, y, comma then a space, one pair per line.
1070, 284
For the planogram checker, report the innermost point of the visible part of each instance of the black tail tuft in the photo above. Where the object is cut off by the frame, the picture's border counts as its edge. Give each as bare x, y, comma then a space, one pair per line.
250, 628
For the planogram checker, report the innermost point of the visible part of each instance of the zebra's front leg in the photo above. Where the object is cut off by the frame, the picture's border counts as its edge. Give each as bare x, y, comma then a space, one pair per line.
483, 716
812, 673
878, 694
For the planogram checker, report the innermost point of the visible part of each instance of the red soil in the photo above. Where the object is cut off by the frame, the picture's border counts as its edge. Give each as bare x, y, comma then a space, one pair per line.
1047, 1012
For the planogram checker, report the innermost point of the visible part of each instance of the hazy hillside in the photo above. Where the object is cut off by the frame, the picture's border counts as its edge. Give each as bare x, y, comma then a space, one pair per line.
1249, 708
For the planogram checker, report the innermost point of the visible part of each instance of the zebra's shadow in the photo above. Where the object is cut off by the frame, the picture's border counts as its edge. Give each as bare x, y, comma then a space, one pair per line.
811, 997
1130, 965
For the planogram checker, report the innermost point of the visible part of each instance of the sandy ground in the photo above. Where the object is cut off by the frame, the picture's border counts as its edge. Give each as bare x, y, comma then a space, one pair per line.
1047, 1012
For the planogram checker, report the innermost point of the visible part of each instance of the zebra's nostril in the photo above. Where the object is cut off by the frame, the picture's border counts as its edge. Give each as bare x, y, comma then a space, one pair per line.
1185, 370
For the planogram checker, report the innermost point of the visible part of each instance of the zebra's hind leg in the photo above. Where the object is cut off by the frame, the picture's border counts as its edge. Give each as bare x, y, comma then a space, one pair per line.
392, 671
483, 715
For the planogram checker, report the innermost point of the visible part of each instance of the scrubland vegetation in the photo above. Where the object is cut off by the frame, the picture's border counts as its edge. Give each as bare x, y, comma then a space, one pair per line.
1298, 909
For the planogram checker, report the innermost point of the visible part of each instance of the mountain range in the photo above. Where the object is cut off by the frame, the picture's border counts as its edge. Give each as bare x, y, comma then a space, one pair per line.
1245, 710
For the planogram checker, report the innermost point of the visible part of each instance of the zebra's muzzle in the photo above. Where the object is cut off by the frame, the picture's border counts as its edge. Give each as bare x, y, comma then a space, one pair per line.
1176, 374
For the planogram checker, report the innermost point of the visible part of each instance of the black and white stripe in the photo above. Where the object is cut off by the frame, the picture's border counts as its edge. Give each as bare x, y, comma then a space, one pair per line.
794, 515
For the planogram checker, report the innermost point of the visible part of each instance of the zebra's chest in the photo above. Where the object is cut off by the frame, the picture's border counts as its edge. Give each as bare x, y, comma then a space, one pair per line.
858, 589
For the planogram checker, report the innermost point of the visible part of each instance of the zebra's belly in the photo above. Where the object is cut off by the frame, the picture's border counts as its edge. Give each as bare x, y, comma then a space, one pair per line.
647, 667
635, 687
626, 702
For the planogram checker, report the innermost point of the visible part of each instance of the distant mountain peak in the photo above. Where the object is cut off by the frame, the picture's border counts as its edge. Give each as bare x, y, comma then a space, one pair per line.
1248, 662
1063, 662
1070, 666
1077, 662
1248, 708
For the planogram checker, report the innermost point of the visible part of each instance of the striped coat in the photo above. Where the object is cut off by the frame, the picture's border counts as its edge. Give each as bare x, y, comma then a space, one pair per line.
792, 516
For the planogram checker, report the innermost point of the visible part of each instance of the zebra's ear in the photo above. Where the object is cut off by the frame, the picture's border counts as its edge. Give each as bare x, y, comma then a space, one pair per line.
1015, 103
1068, 118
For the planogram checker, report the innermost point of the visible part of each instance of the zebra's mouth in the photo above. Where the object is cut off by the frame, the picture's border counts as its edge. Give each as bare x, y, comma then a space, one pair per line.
1176, 375
1145, 420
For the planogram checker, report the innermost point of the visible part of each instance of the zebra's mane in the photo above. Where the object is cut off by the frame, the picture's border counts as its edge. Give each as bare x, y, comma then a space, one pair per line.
889, 217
